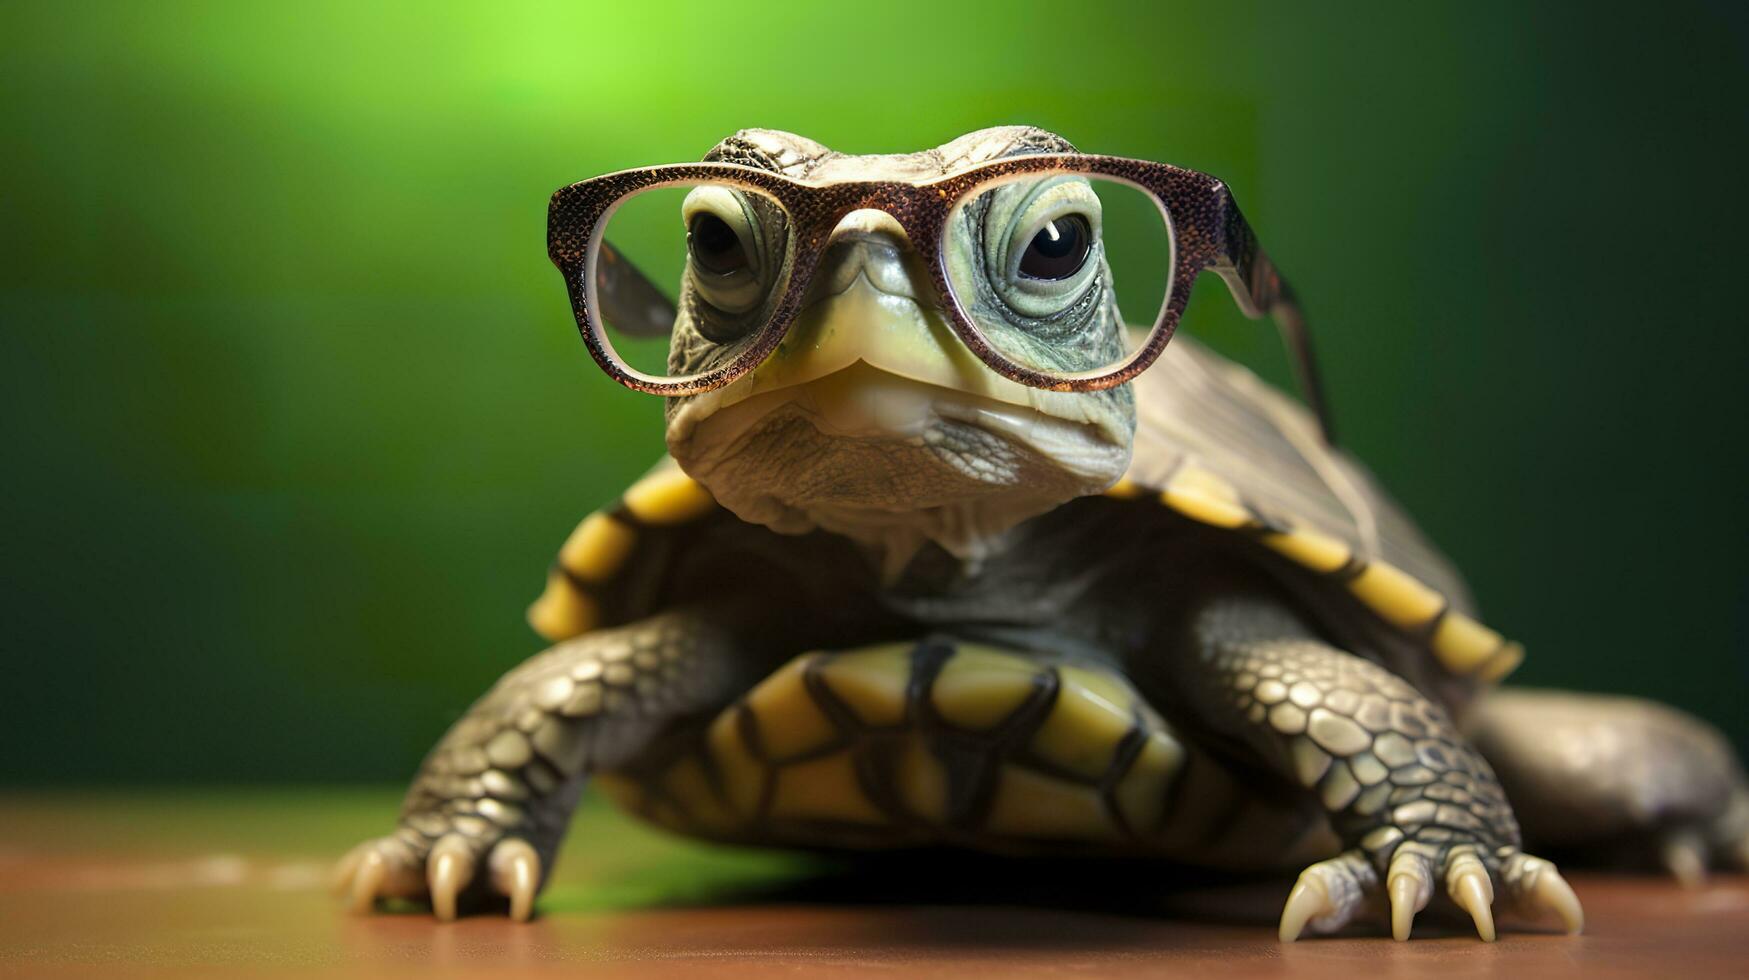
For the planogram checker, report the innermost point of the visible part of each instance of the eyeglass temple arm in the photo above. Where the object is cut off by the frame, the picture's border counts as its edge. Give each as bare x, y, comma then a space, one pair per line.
628, 299
1259, 289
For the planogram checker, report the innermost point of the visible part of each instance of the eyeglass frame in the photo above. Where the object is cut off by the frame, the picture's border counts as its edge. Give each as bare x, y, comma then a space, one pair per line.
1206, 228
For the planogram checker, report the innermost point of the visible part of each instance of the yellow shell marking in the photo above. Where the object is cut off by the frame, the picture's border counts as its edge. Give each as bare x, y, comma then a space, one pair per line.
1091, 715
823, 789
1310, 549
742, 775
1392, 594
1202, 496
979, 688
600, 546
1124, 489
1029, 804
1046, 783
597, 548
1502, 663
562, 611
667, 496
871, 682
1141, 794
789, 722
1463, 644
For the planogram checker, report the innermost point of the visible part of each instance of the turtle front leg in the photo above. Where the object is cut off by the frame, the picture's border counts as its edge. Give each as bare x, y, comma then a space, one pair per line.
485, 815
1417, 809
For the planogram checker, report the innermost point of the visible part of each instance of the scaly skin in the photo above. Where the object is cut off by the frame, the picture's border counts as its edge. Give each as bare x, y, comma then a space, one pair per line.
1413, 803
497, 791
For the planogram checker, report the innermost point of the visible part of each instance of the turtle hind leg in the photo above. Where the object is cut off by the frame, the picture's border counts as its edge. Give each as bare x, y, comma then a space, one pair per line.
1617, 780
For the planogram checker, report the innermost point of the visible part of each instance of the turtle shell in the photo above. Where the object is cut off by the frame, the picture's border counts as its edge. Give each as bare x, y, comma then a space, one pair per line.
1220, 446
1214, 444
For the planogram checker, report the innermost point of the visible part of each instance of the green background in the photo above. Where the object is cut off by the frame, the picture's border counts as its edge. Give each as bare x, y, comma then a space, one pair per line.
295, 414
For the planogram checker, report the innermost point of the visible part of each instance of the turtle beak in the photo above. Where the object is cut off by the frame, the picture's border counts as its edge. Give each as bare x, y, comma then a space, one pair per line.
872, 307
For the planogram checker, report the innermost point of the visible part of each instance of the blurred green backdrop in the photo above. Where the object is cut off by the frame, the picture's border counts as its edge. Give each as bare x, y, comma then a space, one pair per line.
295, 414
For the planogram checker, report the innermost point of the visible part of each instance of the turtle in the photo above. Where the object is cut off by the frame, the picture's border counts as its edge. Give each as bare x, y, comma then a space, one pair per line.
876, 598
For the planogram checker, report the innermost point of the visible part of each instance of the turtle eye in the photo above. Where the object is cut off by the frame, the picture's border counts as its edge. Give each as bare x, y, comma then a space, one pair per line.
1045, 251
1059, 250
715, 246
733, 243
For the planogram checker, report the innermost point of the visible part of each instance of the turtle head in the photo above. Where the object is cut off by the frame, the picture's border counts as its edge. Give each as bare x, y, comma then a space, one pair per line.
872, 419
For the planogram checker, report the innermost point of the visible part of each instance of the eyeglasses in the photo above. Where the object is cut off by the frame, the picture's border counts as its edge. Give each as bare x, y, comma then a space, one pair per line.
1020, 251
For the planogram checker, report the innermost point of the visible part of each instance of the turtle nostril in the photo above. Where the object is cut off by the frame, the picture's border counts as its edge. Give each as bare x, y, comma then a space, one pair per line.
868, 244
887, 263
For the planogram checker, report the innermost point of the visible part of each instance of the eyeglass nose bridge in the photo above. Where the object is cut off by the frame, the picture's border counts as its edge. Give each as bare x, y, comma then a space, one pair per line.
869, 224
892, 197
895, 204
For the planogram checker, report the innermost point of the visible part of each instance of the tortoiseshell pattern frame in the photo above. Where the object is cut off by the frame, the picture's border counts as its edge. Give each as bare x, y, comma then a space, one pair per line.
1207, 228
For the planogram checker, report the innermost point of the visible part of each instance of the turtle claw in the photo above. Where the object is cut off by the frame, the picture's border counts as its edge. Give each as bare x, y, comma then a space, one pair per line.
367, 882
516, 875
1468, 884
381, 868
1331, 893
1327, 895
446, 873
1540, 890
1309, 900
1410, 886
450, 867
1684, 855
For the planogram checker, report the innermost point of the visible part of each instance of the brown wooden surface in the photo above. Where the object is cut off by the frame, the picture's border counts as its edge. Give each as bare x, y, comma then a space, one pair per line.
233, 885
